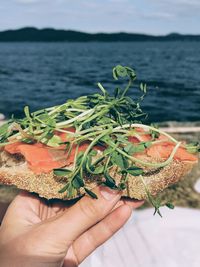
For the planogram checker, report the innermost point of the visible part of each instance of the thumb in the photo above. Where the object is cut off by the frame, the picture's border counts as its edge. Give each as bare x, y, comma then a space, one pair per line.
83, 215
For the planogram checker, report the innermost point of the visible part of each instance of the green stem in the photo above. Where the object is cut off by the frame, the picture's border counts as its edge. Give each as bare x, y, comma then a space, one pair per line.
77, 118
96, 115
89, 148
127, 88
137, 125
87, 136
161, 164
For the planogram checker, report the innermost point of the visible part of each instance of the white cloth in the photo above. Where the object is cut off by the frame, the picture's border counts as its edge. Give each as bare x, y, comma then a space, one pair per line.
151, 241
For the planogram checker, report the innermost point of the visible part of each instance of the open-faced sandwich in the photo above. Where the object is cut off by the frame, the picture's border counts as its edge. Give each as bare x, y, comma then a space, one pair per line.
64, 151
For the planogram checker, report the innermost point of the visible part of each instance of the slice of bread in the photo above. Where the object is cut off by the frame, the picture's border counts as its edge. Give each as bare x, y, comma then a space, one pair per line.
14, 171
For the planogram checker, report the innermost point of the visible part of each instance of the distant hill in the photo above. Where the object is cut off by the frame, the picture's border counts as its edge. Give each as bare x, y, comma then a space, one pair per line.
31, 34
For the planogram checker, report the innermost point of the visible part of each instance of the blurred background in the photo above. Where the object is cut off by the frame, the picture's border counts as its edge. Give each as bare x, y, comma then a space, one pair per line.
54, 50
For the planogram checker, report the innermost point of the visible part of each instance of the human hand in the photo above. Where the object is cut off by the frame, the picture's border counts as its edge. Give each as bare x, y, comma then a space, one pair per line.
36, 232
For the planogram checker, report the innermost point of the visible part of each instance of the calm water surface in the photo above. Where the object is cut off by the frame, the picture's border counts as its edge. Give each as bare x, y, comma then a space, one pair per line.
46, 74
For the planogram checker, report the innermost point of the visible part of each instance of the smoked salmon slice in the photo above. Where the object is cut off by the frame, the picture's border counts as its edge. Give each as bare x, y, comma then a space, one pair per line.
163, 150
42, 158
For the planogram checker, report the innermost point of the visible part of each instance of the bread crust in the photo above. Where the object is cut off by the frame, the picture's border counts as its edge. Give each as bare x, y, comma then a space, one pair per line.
48, 185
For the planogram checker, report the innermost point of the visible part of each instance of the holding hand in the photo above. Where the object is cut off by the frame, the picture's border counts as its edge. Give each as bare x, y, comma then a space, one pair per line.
41, 233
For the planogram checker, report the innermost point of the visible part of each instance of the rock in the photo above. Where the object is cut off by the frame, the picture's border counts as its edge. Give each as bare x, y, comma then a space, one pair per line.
2, 117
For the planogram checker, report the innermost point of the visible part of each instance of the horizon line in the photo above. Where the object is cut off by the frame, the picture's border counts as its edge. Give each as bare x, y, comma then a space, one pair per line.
97, 32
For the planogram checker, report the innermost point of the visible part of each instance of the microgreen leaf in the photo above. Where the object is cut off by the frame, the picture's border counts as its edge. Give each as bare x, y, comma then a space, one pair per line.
62, 172
4, 129
140, 147
193, 147
27, 141
154, 134
119, 160
129, 149
143, 87
77, 182
122, 139
98, 170
120, 71
107, 151
110, 182
71, 191
105, 93
4, 132
93, 153
93, 169
54, 141
27, 112
169, 205
134, 170
79, 157
122, 186
90, 193
64, 189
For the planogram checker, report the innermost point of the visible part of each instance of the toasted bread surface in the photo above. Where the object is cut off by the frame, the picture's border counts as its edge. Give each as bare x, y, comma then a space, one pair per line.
14, 171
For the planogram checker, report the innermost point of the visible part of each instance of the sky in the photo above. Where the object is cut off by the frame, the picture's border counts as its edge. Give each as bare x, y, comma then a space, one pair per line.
139, 16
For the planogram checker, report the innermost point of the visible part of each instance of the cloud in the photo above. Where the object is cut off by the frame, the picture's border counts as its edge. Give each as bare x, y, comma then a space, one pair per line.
186, 2
27, 1
118, 1
179, 4
179, 9
159, 15
155, 16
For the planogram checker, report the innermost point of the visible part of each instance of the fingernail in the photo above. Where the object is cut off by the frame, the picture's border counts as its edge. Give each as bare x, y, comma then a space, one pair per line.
108, 193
